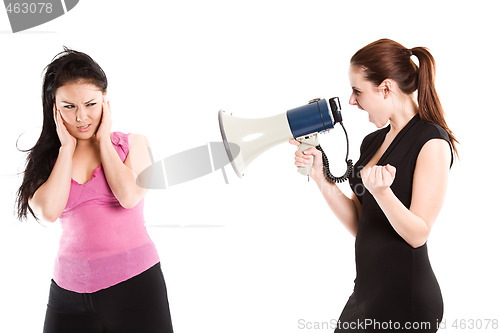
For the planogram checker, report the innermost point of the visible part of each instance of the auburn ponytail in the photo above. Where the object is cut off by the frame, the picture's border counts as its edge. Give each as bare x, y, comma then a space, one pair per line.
387, 59
429, 106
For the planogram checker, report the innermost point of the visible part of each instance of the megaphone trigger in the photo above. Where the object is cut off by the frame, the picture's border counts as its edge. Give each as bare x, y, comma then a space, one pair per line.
307, 142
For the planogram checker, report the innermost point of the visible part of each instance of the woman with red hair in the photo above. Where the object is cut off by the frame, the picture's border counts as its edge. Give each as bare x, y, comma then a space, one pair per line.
398, 185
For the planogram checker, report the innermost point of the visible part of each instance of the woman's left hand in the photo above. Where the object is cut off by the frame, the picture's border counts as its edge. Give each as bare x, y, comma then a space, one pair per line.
378, 179
104, 130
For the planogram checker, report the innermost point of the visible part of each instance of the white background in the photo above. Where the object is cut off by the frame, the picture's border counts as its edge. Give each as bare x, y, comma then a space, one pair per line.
263, 252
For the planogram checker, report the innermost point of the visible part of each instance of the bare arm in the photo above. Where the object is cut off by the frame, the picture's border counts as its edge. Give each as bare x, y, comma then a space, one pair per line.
121, 176
429, 188
51, 197
345, 209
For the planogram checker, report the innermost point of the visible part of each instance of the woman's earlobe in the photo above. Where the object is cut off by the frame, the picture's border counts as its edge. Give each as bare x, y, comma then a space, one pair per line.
386, 86
386, 92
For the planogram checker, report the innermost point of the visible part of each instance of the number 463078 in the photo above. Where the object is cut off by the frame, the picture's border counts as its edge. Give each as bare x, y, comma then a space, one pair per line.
29, 8
475, 324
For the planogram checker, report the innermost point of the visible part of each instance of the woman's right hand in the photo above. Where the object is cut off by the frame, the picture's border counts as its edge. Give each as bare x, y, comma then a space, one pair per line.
303, 159
65, 137
50, 199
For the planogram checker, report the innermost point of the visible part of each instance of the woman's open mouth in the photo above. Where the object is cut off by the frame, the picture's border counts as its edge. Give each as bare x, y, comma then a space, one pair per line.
83, 128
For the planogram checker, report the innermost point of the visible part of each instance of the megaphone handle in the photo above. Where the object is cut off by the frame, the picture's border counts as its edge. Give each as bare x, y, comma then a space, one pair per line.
306, 143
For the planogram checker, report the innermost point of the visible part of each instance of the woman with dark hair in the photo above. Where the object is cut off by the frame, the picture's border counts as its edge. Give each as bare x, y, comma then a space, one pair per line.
107, 275
398, 185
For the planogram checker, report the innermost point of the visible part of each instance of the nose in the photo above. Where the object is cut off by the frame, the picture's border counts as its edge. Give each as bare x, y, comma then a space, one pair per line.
81, 114
352, 99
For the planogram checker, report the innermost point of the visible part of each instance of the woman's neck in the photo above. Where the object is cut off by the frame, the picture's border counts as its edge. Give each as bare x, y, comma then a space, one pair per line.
86, 144
403, 114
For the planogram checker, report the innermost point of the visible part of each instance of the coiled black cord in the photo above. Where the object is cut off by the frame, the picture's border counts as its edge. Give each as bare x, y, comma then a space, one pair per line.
326, 165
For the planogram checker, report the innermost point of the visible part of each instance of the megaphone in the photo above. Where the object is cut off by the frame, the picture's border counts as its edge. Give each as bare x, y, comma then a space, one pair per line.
252, 137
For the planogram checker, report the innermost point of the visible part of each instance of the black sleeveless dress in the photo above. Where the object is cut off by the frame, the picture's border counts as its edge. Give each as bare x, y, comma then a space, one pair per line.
395, 287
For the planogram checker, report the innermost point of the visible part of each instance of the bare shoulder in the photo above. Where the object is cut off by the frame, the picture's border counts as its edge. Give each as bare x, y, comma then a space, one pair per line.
435, 152
139, 157
136, 140
430, 180
431, 172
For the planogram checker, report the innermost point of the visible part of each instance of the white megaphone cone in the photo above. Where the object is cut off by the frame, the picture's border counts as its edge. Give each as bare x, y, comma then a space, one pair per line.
252, 136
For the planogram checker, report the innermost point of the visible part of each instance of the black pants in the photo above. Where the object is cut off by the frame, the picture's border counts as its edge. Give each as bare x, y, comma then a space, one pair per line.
138, 305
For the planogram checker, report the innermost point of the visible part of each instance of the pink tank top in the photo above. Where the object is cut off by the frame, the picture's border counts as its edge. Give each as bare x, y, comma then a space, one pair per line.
102, 243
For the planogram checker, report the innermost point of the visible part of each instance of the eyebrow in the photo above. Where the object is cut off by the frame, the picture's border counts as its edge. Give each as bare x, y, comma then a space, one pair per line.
83, 103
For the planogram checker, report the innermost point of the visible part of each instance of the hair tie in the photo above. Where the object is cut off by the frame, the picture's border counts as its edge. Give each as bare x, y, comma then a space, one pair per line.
410, 51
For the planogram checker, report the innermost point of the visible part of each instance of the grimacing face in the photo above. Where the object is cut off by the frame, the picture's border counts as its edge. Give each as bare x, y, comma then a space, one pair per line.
80, 104
368, 97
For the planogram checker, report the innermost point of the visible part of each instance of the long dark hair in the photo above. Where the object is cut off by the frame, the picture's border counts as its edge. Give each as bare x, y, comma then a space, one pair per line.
67, 66
387, 59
